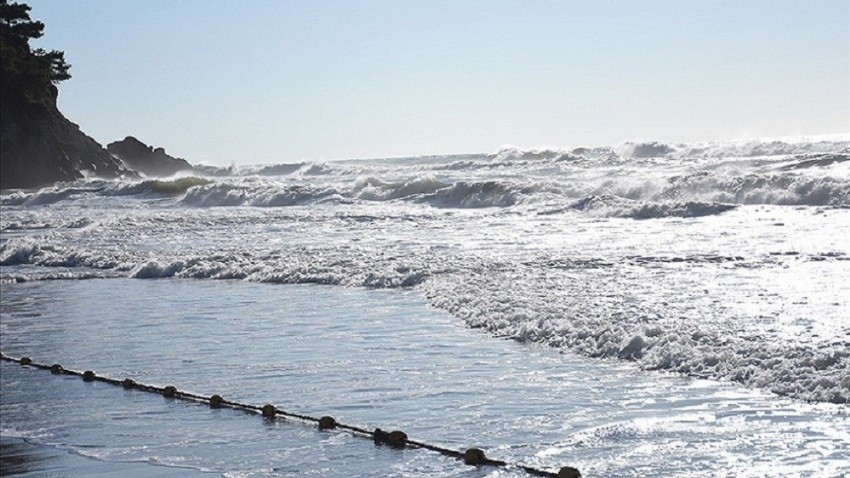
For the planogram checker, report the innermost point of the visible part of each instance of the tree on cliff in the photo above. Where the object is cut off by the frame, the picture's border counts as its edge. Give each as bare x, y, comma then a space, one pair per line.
38, 145
25, 73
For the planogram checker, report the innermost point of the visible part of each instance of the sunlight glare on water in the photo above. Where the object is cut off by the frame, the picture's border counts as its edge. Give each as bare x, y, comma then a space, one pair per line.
369, 358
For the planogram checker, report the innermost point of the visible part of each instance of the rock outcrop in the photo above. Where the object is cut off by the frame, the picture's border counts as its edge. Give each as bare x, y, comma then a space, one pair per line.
39, 146
145, 159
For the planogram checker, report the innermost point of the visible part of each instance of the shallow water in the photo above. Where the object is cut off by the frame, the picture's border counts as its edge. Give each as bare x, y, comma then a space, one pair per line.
642, 310
729, 262
25, 459
371, 358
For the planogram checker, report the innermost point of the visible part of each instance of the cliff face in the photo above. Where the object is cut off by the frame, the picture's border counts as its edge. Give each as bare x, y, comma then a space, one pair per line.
145, 159
39, 146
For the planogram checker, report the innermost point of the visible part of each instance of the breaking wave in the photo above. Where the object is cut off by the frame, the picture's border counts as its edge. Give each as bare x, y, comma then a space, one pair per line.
818, 374
517, 242
687, 195
612, 206
508, 300
638, 180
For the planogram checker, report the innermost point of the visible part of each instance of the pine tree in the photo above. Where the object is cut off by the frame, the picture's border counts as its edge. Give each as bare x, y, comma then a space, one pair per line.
27, 75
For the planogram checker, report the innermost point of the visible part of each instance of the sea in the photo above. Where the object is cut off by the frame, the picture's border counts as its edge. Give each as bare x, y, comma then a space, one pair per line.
640, 310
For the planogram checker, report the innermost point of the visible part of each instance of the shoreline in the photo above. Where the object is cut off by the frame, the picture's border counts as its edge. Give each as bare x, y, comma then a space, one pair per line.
22, 458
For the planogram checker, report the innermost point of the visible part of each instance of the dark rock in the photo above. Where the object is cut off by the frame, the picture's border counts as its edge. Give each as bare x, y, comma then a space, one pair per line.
145, 159
39, 146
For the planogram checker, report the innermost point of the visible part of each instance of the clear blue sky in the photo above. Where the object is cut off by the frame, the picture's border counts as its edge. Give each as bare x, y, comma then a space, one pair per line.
282, 81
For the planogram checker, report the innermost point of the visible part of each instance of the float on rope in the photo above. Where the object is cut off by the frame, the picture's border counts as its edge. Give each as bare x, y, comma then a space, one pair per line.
394, 439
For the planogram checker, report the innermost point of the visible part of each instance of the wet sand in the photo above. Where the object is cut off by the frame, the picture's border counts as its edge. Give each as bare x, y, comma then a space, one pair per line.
20, 458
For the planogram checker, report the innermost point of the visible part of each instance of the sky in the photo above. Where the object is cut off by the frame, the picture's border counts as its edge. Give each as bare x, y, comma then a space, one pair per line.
276, 81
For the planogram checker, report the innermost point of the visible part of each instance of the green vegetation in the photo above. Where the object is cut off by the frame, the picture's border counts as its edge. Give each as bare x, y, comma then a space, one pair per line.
27, 76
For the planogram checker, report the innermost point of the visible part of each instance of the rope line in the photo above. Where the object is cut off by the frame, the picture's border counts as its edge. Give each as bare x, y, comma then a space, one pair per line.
395, 439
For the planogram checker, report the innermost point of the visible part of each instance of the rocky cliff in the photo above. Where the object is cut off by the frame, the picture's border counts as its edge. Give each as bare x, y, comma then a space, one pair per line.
38, 145
145, 159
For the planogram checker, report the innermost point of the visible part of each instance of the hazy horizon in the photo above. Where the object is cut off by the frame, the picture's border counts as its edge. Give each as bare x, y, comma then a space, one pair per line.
283, 82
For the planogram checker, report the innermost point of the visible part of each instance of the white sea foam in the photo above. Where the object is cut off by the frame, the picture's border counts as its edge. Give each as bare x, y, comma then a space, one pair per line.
719, 261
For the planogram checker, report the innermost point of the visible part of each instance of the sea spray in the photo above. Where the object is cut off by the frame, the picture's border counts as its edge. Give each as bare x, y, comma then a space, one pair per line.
727, 262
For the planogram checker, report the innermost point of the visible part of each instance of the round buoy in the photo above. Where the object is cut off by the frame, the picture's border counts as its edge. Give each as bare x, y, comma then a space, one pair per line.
474, 457
326, 423
569, 472
380, 436
397, 439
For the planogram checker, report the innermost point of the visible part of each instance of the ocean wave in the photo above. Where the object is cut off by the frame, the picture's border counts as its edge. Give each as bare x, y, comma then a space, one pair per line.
299, 169
35, 224
8, 279
676, 151
613, 206
72, 191
425, 189
278, 169
40, 252
778, 189
159, 187
297, 270
653, 342
375, 189
692, 194
542, 302
259, 195
741, 149
318, 169
754, 148
26, 226
50, 195
660, 180
477, 195
580, 282
652, 149
802, 162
